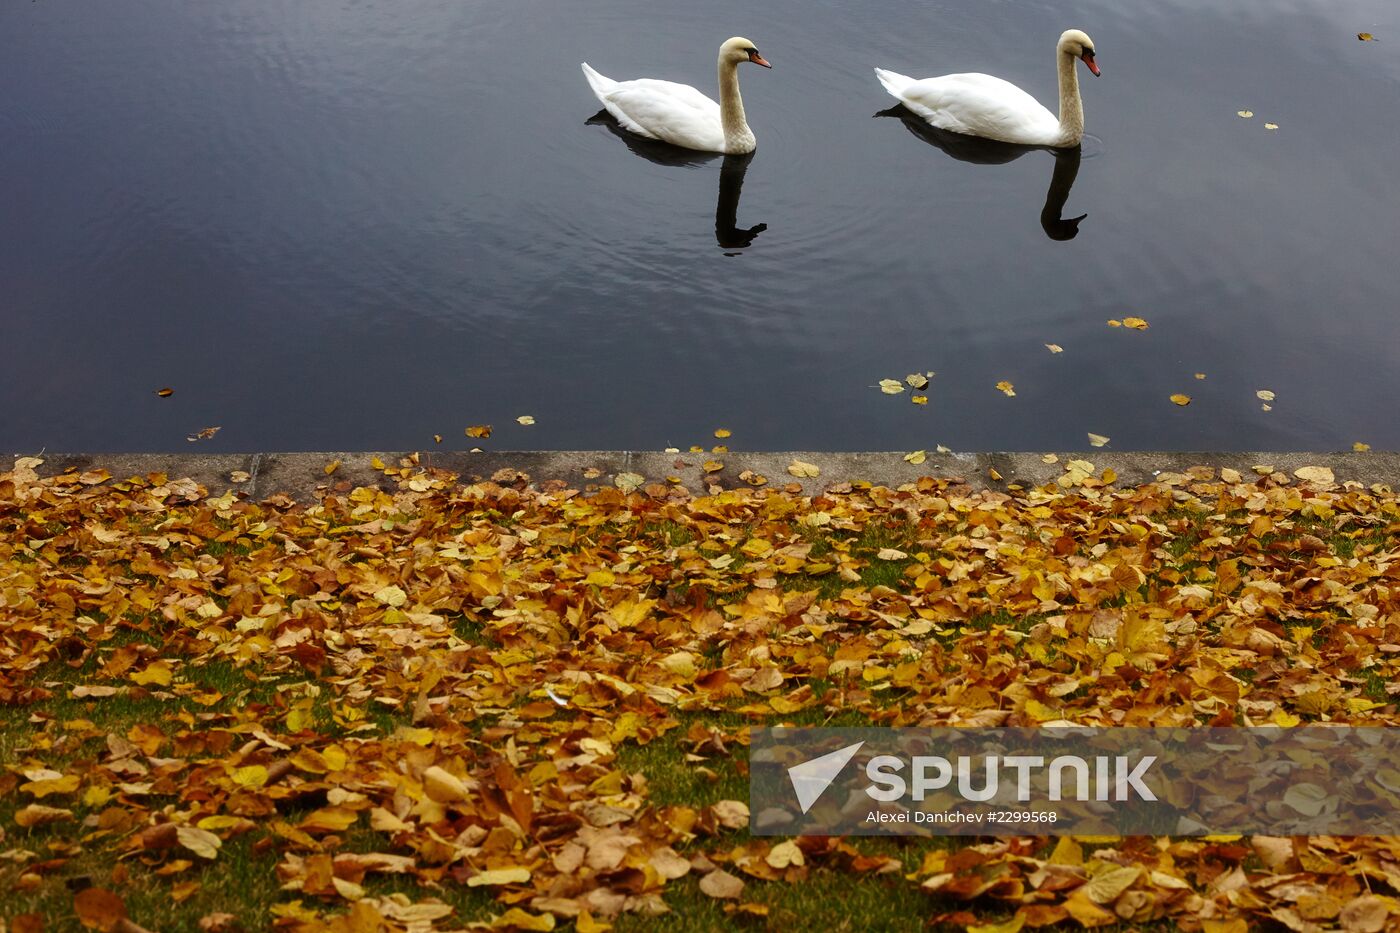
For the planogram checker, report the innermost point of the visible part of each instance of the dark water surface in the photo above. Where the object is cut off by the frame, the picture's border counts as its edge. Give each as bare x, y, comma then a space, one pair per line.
337, 225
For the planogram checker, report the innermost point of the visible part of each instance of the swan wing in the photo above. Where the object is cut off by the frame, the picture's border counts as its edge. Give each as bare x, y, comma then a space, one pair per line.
981, 105
664, 110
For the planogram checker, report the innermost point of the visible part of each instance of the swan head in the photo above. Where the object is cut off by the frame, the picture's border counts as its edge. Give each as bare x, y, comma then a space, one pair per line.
1078, 45
738, 50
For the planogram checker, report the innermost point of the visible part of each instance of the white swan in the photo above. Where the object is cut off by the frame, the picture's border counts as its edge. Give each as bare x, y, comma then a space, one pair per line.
980, 105
678, 113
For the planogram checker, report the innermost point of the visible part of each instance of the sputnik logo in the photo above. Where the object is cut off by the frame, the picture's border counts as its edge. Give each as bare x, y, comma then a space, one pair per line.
811, 778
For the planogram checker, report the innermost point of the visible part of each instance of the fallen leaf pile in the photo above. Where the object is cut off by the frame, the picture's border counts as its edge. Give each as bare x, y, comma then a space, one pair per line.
396, 694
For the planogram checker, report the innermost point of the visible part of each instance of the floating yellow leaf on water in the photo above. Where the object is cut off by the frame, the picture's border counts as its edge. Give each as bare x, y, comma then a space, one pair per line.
719, 449
722, 432
331, 467
166, 392
918, 456
526, 419
943, 450
1136, 323
203, 435
1245, 113
1054, 348
917, 380
802, 468
1180, 399
479, 430
891, 386
1097, 440
437, 438
1365, 37
1265, 395
1270, 126
919, 399
1006, 388
1200, 375
1115, 323
1360, 447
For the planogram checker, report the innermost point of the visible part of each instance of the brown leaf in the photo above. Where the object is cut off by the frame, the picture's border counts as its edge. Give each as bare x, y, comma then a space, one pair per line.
99, 909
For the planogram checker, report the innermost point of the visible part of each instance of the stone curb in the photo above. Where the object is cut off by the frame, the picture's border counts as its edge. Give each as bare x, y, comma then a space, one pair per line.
299, 474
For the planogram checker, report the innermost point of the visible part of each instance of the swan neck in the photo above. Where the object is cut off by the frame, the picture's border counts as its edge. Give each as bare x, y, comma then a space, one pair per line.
738, 138
1071, 107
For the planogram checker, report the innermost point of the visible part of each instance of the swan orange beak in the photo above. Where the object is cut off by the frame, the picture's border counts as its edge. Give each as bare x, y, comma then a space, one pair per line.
758, 60
1088, 58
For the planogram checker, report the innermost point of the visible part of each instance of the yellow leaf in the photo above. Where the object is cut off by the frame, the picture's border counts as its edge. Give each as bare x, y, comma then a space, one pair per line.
628, 482
918, 456
1245, 113
802, 468
330, 819
1315, 474
157, 672
919, 399
1360, 448
199, 841
891, 386
713, 466
1113, 323
1136, 323
517, 919
722, 432
331, 467
1067, 852
526, 420
1365, 37
1180, 399
479, 430
495, 876
42, 788
1054, 348
1097, 440
1105, 887
391, 596
1007, 388
784, 854
250, 776
377, 464
1086, 911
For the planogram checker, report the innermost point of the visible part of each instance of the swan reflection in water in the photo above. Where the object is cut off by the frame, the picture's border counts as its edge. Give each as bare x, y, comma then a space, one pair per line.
990, 152
728, 234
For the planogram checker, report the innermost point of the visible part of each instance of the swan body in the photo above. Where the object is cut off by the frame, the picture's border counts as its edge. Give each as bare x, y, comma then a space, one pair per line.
678, 113
981, 105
